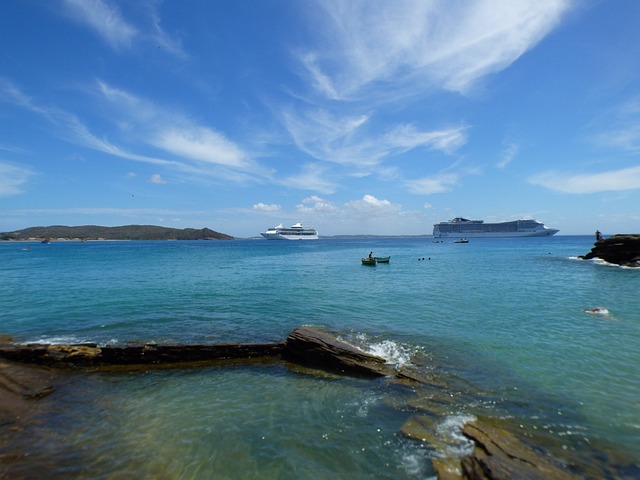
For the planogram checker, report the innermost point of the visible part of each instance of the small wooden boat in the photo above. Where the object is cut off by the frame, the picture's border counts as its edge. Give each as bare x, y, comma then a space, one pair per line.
382, 259
368, 260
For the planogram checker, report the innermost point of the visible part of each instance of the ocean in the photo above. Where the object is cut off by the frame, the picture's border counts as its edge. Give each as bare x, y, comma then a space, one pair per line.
502, 323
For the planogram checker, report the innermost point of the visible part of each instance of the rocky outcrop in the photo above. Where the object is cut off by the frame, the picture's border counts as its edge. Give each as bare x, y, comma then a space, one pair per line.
313, 347
305, 345
90, 354
621, 250
20, 388
497, 452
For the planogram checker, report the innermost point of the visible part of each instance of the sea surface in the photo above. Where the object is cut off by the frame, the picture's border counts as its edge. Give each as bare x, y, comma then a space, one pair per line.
502, 322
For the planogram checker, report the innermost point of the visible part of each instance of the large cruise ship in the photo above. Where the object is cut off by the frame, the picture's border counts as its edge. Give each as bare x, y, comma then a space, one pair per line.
461, 227
294, 232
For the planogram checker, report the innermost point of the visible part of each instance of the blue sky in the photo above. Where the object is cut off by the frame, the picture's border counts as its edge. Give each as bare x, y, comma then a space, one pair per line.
357, 117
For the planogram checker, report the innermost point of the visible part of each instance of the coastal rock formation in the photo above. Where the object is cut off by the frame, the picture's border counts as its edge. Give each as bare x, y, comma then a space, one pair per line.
498, 454
313, 347
90, 354
621, 250
20, 388
498, 451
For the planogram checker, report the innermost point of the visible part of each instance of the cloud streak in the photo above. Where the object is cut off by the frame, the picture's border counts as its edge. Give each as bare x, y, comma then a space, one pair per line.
192, 149
105, 19
435, 184
448, 45
354, 141
13, 178
108, 22
613, 180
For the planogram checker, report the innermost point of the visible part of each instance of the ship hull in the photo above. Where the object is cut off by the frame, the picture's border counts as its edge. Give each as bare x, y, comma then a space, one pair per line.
461, 227
545, 233
277, 236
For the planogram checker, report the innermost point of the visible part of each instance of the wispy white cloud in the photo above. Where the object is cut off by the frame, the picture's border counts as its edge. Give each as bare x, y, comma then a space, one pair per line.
624, 137
13, 178
311, 177
105, 18
157, 179
347, 140
191, 148
509, 153
622, 127
201, 144
426, 44
14, 149
585, 183
175, 133
435, 184
163, 39
267, 207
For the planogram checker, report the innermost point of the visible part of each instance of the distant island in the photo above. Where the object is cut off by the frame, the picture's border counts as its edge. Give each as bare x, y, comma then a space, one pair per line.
127, 232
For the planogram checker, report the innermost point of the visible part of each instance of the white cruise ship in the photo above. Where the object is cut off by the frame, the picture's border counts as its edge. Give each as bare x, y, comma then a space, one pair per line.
461, 227
294, 232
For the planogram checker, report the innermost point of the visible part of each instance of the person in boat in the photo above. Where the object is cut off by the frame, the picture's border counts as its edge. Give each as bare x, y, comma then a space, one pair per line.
370, 254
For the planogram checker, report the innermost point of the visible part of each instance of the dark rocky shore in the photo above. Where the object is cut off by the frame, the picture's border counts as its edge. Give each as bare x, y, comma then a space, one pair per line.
502, 450
623, 250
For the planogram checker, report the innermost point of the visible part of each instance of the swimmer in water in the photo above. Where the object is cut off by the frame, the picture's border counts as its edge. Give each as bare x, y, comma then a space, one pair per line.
597, 311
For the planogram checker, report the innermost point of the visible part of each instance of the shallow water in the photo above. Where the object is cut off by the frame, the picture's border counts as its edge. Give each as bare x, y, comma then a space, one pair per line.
503, 320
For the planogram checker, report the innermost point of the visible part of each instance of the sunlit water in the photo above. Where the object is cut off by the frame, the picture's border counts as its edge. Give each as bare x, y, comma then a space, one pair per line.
503, 318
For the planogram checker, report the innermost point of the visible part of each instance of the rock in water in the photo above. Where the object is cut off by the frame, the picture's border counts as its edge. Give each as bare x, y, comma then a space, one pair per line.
313, 347
621, 250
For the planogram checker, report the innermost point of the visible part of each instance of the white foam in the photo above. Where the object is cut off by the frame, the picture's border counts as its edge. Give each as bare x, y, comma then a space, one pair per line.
55, 341
393, 353
449, 431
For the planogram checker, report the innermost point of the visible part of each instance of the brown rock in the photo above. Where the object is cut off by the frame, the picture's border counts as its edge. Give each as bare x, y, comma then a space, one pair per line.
20, 385
313, 347
498, 455
92, 355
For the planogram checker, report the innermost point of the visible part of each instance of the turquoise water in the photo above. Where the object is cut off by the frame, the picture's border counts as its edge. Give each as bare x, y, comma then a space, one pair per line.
503, 320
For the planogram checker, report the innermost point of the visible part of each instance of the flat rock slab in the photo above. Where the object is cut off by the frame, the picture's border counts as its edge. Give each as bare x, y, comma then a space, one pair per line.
499, 455
20, 386
93, 355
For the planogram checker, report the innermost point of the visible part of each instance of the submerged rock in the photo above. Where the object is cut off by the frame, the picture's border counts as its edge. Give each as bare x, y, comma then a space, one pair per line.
621, 250
20, 387
492, 450
499, 454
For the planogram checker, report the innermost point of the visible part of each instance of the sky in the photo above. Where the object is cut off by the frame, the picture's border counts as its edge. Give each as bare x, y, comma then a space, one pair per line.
356, 117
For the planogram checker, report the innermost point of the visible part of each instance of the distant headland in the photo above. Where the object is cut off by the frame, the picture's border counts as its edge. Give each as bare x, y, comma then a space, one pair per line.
126, 232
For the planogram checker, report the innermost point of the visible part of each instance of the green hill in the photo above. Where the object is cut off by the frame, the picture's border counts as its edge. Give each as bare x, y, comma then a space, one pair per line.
127, 232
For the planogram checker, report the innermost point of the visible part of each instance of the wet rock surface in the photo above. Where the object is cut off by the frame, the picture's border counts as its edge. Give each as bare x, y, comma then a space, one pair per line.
623, 250
90, 354
496, 449
313, 347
